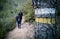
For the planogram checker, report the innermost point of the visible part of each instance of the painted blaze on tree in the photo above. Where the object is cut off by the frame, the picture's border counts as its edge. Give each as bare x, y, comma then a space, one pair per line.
45, 18
45, 9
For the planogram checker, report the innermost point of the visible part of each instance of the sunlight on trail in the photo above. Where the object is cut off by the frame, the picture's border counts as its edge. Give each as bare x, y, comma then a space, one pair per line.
26, 32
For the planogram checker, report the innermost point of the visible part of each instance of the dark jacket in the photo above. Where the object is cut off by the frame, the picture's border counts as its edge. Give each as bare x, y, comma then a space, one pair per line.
19, 17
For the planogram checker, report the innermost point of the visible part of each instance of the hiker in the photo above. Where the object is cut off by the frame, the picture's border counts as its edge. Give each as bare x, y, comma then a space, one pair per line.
19, 19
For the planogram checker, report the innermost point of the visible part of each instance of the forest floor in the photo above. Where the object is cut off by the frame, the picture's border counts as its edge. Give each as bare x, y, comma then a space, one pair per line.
25, 32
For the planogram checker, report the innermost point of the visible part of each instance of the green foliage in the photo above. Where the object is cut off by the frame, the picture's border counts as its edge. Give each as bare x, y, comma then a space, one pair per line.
58, 11
58, 7
58, 27
8, 11
5, 26
28, 11
58, 19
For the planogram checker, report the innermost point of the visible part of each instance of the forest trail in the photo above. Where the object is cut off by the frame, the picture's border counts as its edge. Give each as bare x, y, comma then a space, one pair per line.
26, 32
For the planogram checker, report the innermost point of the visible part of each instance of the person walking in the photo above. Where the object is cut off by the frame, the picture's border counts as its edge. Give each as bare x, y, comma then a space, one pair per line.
19, 19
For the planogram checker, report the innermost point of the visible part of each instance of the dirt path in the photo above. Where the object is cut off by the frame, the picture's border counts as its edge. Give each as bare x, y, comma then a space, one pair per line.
26, 32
